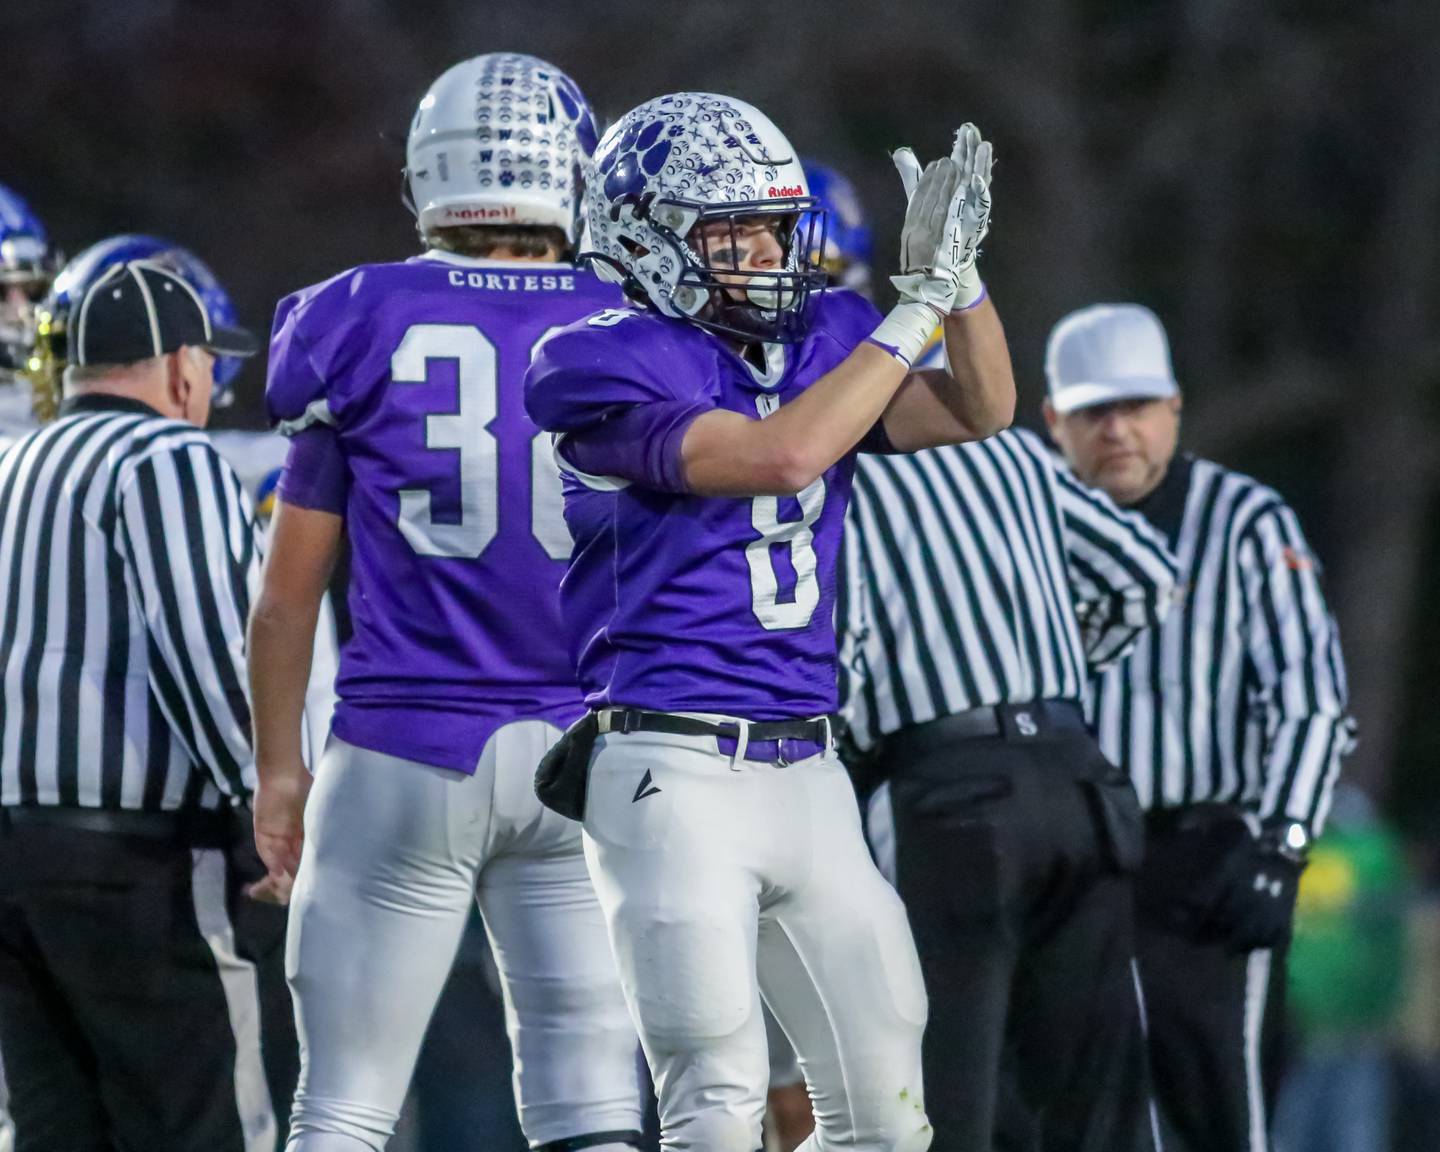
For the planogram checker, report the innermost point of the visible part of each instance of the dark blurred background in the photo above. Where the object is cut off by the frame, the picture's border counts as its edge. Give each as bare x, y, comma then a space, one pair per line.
1264, 173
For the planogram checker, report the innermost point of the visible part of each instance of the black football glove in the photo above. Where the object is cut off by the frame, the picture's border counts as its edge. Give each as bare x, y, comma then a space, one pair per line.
1184, 876
1256, 894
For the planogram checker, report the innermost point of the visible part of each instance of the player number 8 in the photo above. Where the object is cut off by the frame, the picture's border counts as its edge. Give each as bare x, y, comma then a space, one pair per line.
773, 614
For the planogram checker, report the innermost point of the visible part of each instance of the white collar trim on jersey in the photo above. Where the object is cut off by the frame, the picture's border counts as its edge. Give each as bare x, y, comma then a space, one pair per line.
774, 371
483, 262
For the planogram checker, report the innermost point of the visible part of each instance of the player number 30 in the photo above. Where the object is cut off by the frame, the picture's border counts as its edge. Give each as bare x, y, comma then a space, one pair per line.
466, 431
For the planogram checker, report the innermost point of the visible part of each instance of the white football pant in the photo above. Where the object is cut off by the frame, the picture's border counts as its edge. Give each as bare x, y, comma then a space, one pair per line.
726, 880
7, 1129
394, 853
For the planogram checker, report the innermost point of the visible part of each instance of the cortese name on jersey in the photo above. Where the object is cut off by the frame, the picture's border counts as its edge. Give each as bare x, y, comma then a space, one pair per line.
453, 505
510, 281
678, 602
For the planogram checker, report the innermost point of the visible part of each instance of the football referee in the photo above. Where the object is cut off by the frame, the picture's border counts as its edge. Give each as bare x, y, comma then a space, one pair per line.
983, 582
1230, 719
128, 1017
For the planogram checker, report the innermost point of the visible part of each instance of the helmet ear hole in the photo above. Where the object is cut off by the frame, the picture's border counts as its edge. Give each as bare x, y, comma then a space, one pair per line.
609, 269
690, 299
634, 248
604, 267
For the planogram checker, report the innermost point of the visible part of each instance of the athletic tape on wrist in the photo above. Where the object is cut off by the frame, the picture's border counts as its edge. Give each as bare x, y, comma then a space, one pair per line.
906, 330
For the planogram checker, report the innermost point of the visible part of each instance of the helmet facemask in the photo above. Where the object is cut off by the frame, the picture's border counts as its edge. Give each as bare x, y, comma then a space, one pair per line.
709, 289
27, 268
769, 304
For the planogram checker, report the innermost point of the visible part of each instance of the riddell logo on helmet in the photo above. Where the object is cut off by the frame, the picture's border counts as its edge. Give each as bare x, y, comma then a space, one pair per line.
504, 212
786, 190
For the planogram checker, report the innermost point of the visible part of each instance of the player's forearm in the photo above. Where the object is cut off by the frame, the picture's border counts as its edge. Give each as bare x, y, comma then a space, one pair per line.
727, 454
982, 391
304, 545
282, 644
975, 398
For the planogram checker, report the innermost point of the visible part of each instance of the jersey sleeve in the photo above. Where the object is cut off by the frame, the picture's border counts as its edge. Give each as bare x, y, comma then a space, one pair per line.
619, 395
192, 553
315, 475
313, 345
602, 365
1295, 648
641, 445
1121, 571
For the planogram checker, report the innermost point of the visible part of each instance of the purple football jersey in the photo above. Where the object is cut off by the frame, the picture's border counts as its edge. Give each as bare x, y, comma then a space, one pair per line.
453, 502
685, 603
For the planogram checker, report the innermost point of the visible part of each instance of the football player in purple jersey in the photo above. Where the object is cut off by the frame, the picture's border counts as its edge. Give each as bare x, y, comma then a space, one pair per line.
845, 258
400, 387
709, 435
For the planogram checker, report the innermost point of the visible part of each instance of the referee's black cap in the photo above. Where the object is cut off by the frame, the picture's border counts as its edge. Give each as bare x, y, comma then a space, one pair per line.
138, 310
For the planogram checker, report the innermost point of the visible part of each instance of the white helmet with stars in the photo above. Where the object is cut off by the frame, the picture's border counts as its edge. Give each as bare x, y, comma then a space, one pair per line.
683, 160
500, 139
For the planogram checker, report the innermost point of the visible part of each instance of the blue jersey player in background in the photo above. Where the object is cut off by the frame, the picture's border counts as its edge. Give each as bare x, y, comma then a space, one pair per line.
400, 385
710, 436
28, 264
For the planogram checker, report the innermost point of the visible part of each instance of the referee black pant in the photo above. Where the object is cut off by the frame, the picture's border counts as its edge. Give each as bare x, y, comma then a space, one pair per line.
1014, 855
135, 986
1215, 1014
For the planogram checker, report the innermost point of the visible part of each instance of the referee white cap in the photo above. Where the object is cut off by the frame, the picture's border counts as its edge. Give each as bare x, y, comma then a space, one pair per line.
137, 310
1105, 353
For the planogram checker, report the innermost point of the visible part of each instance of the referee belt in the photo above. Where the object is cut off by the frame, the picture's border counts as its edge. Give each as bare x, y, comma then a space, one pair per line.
763, 740
1032, 721
202, 828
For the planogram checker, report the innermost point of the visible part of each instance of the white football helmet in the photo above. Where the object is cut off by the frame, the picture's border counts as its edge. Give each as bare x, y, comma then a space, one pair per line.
500, 139
685, 159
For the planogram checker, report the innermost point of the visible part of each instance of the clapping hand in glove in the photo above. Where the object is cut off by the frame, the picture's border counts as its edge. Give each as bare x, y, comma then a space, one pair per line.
947, 217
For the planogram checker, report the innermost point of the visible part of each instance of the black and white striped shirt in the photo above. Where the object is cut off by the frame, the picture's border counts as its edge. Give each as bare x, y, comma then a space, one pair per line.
1240, 697
128, 559
985, 574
